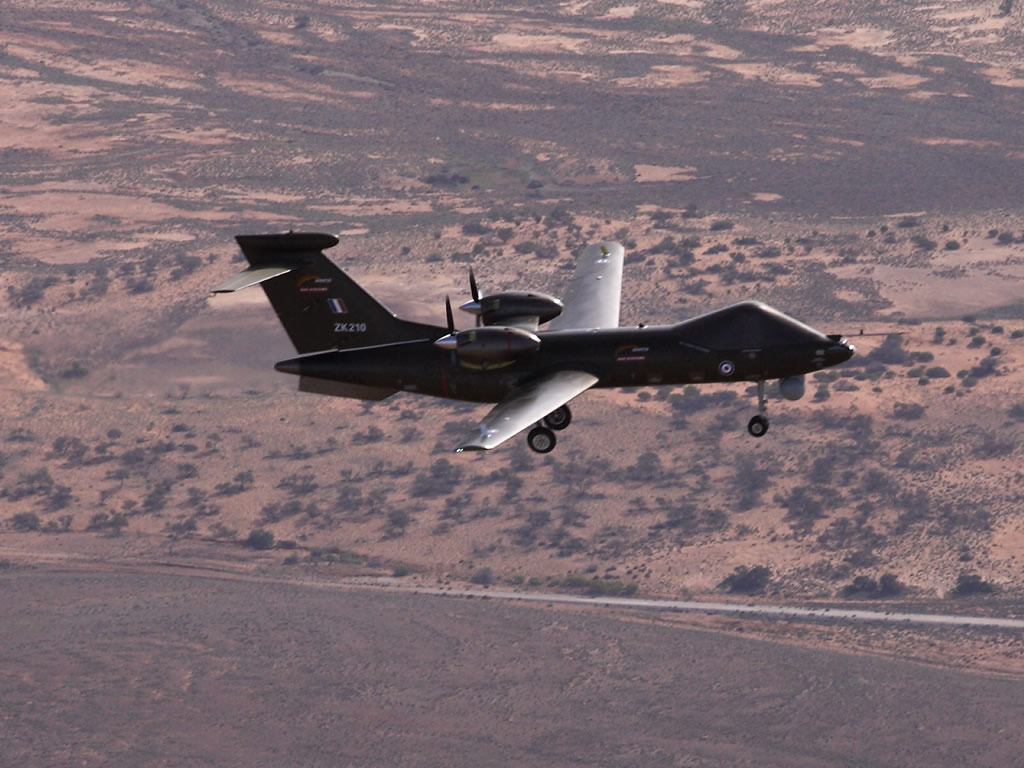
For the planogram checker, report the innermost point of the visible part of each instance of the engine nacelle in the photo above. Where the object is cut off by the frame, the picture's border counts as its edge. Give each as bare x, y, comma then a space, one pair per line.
486, 346
499, 308
792, 387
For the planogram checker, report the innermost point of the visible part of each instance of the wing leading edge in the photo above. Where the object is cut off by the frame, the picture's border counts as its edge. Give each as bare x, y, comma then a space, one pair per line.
592, 296
526, 405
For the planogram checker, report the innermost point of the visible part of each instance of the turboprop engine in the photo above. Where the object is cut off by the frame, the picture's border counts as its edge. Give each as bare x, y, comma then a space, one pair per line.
487, 346
792, 387
511, 307
499, 308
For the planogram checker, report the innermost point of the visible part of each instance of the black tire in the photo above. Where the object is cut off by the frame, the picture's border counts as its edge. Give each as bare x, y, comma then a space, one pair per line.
541, 440
558, 419
758, 426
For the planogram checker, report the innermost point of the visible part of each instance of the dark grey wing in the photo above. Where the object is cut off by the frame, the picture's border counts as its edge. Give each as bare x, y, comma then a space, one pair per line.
592, 297
526, 405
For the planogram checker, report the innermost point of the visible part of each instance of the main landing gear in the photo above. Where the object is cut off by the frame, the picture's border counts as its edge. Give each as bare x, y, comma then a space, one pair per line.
759, 424
558, 419
542, 437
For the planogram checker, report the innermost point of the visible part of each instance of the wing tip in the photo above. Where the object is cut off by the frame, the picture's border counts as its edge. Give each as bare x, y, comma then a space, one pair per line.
471, 447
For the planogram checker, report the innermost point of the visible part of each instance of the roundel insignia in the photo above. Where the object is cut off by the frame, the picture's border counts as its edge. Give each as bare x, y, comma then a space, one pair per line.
726, 368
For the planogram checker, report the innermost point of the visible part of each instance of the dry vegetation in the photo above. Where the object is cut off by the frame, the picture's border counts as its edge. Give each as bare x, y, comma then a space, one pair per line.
905, 460
857, 172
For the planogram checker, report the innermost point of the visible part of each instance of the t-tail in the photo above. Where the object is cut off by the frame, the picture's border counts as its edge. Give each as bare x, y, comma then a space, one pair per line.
320, 307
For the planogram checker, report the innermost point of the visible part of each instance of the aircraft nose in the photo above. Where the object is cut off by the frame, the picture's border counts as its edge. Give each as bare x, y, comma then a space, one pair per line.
293, 366
839, 352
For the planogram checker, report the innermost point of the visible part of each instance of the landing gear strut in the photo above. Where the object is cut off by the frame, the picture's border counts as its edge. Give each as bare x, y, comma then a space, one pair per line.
541, 439
759, 424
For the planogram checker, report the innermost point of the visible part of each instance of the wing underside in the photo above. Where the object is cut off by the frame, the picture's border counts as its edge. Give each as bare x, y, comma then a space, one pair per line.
592, 296
526, 405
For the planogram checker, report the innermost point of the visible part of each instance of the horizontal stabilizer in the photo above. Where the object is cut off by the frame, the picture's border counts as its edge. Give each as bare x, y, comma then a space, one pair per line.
271, 256
252, 276
261, 249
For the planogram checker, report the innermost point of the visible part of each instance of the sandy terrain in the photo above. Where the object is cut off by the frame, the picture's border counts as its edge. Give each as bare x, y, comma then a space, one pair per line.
155, 668
858, 170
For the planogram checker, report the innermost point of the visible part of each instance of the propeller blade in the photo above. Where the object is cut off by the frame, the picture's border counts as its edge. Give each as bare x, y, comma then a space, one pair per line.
450, 340
475, 293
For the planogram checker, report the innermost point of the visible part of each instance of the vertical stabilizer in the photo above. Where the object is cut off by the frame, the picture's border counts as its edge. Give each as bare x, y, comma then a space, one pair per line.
319, 305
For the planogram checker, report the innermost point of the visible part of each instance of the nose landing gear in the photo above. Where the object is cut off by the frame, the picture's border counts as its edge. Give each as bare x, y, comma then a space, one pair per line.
758, 425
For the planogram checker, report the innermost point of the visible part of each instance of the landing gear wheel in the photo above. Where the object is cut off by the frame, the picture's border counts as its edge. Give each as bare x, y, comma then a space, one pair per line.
558, 419
541, 439
758, 426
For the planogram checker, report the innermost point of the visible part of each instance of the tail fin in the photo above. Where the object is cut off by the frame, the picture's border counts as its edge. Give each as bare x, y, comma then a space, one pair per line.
319, 305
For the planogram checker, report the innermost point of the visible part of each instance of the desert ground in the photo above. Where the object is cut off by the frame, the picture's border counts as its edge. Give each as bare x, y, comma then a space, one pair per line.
267, 674
858, 168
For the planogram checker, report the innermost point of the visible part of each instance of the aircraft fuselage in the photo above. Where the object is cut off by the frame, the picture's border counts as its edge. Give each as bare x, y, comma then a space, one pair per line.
744, 342
351, 345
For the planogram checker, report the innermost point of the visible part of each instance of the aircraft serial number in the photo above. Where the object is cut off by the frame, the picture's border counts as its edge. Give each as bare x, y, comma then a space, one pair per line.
350, 327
